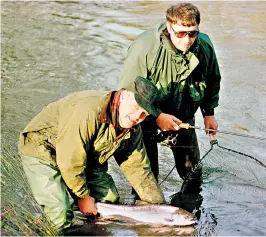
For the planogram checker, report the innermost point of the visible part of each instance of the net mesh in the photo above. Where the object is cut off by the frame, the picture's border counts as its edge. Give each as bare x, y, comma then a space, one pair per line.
221, 161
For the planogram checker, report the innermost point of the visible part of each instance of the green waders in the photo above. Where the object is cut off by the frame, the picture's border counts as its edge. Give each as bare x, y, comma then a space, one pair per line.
187, 156
51, 193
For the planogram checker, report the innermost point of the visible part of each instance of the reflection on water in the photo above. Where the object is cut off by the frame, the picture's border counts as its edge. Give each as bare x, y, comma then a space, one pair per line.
114, 229
53, 48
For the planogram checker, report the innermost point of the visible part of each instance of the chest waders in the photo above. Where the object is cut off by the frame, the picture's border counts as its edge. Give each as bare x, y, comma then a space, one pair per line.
186, 151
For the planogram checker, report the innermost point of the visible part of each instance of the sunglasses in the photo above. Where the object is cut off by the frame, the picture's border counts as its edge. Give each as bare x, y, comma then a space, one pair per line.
182, 34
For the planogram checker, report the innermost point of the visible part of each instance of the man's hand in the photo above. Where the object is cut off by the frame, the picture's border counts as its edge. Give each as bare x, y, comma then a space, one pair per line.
168, 122
86, 205
210, 122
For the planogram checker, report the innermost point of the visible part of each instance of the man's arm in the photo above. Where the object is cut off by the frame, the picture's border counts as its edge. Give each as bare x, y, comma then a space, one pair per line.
136, 167
211, 98
213, 77
70, 153
73, 137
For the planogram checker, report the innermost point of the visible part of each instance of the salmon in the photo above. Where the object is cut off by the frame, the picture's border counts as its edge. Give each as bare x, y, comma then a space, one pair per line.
153, 214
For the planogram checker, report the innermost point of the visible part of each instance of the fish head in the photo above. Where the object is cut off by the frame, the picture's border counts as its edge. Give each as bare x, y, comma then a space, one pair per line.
180, 218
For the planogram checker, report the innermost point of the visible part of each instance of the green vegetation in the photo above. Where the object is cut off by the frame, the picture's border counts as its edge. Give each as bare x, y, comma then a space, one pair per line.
20, 214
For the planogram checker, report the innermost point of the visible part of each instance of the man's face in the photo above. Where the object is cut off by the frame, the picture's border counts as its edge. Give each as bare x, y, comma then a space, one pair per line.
176, 30
130, 113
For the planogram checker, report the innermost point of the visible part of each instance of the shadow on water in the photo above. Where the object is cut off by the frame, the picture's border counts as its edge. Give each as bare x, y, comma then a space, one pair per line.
114, 229
89, 229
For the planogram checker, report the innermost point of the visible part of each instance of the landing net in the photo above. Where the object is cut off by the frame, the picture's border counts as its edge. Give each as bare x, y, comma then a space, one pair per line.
234, 164
223, 161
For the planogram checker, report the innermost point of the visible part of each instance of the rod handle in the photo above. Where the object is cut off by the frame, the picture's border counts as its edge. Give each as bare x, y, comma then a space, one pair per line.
184, 125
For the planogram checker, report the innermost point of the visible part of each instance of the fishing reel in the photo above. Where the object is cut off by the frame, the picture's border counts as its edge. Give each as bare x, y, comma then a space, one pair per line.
166, 138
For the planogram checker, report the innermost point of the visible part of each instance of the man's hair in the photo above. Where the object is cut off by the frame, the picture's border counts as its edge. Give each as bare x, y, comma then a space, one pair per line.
187, 13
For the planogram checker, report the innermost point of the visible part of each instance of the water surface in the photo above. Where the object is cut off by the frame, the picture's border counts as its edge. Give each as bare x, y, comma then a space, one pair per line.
53, 48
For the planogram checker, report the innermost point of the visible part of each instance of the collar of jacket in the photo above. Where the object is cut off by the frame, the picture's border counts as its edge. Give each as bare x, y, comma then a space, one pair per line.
109, 113
105, 115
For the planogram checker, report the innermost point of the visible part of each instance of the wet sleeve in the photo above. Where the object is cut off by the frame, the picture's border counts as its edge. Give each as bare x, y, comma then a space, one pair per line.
135, 64
73, 140
136, 168
213, 80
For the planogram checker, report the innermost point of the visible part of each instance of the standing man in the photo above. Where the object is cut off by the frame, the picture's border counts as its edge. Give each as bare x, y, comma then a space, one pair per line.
180, 60
67, 145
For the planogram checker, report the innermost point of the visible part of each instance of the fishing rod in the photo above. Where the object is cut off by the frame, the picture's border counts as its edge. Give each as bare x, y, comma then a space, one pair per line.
230, 133
188, 126
169, 138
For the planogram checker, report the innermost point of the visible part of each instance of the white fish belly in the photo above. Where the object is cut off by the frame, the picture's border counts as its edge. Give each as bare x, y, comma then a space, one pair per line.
153, 214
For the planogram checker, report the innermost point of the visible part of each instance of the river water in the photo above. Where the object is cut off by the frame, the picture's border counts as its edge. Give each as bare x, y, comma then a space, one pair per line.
52, 48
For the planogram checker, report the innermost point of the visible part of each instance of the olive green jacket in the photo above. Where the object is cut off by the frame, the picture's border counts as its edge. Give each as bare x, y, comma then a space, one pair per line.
76, 131
187, 80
